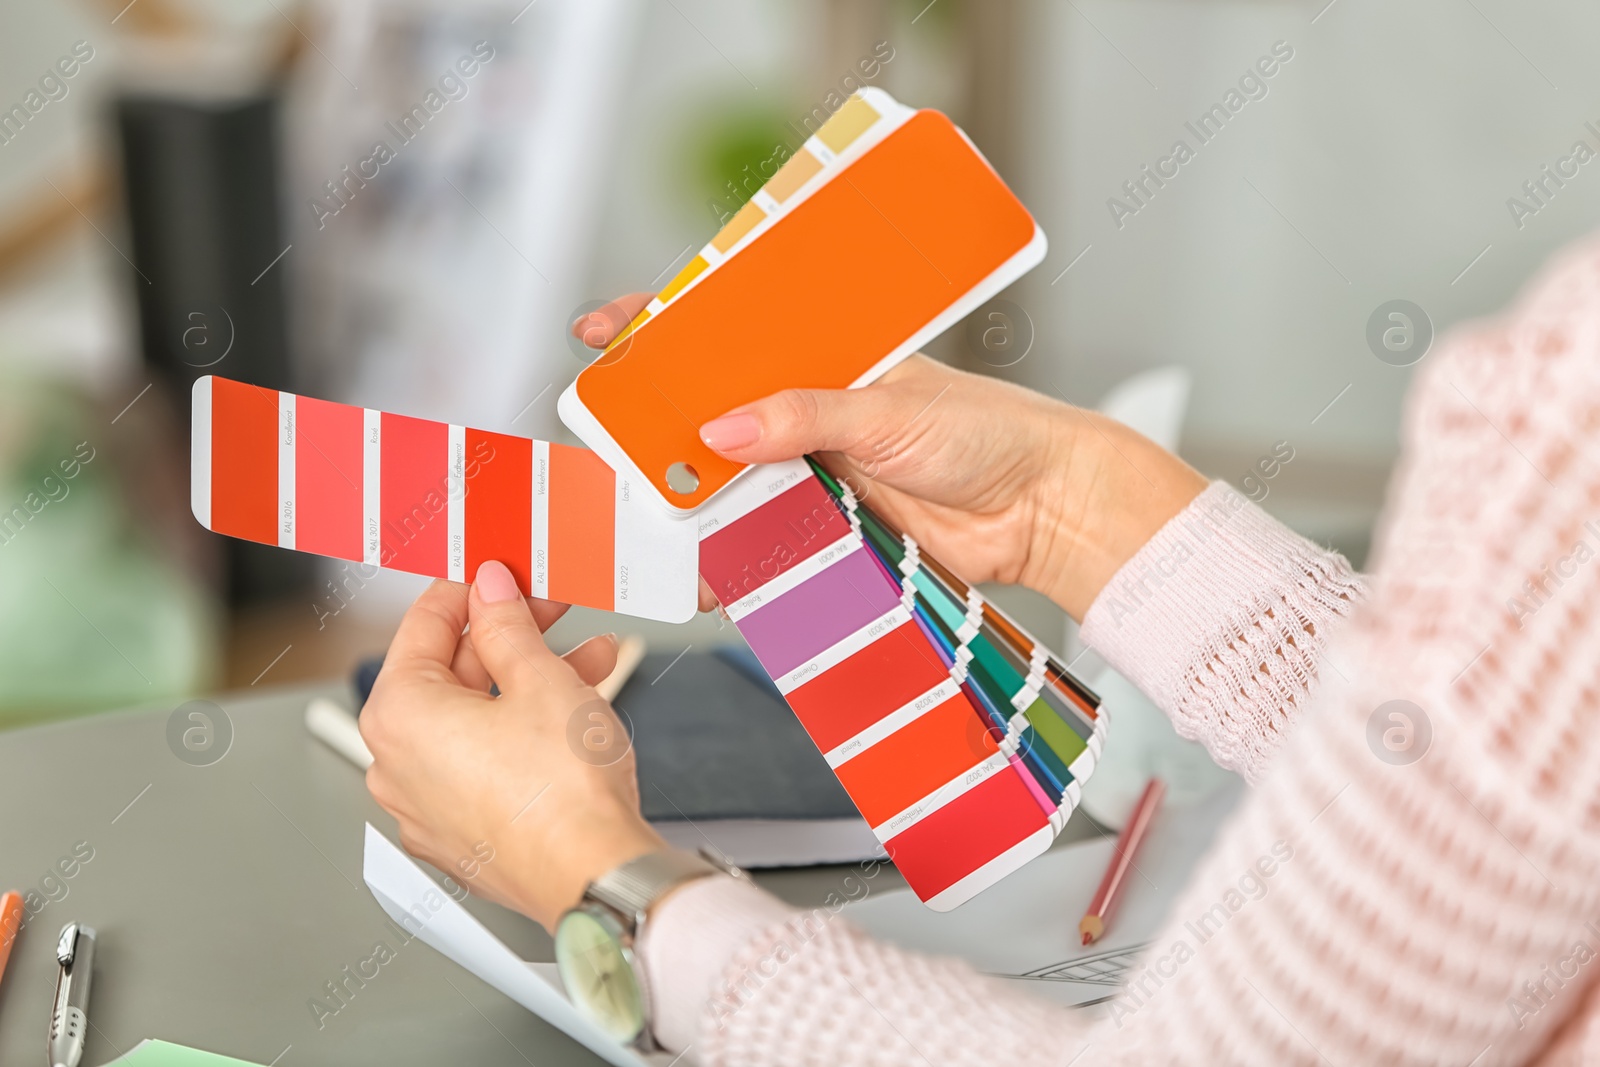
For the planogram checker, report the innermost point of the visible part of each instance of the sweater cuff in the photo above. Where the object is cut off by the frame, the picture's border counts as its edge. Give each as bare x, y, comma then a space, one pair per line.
1222, 581
688, 942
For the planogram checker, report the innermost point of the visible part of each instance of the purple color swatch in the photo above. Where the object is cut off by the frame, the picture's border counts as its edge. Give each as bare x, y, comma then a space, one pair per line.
819, 613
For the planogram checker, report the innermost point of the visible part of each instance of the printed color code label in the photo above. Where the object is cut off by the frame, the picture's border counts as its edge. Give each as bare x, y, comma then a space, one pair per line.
937, 851
889, 673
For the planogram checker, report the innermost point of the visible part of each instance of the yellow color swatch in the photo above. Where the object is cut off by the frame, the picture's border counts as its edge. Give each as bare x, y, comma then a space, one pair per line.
848, 123
683, 278
638, 321
792, 175
742, 223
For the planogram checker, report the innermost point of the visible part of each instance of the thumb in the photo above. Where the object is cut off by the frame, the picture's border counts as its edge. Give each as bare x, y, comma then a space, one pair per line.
790, 424
506, 636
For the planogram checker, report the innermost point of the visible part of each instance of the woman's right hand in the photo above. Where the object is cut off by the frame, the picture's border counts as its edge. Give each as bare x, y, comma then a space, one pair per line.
997, 482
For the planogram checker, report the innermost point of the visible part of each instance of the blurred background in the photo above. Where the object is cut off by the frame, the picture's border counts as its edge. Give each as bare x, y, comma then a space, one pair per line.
181, 194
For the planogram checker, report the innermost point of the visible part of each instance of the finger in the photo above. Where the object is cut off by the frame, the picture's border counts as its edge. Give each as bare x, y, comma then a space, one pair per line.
546, 612
507, 638
790, 424
426, 641
596, 328
468, 668
708, 599
595, 659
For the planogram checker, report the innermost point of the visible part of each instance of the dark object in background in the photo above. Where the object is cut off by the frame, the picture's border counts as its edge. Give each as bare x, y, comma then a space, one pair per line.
710, 743
200, 183
365, 678
742, 659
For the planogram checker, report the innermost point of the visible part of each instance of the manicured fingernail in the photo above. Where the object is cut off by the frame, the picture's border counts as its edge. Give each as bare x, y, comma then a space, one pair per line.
593, 330
494, 582
731, 431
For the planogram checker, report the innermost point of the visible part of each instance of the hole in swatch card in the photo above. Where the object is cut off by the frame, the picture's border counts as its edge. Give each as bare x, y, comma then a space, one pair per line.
682, 478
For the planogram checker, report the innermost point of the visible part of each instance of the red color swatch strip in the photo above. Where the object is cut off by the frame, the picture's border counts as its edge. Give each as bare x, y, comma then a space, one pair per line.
244, 466
938, 851
414, 501
788, 529
926, 753
886, 675
498, 513
327, 478
582, 553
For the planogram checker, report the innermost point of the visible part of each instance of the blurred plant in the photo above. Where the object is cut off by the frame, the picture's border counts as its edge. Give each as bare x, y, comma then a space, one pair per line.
734, 153
100, 615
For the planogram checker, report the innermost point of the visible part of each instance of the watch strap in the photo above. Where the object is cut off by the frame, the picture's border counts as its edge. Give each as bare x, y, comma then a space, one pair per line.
632, 887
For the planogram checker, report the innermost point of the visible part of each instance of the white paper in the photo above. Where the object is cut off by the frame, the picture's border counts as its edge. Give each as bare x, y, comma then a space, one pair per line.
424, 909
1025, 928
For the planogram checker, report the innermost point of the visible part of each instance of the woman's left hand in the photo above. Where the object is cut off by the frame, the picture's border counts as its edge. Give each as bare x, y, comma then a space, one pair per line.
526, 797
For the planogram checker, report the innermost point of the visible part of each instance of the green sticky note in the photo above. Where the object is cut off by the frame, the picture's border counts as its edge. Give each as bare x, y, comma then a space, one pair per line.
149, 1053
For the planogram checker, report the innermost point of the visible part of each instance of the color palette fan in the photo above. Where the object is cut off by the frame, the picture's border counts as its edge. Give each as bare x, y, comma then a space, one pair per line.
961, 739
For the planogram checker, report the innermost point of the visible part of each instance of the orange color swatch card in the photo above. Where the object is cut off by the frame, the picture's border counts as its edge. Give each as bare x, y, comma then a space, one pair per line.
883, 230
436, 499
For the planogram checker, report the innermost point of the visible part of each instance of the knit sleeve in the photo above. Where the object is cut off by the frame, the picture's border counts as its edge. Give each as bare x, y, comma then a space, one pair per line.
746, 980
1415, 881
1222, 619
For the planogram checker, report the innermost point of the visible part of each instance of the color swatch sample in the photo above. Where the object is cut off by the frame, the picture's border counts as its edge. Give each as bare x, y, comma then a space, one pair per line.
883, 230
957, 743
436, 499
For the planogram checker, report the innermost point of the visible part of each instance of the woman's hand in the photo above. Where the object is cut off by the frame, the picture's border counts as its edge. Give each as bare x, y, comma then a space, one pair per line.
998, 482
540, 778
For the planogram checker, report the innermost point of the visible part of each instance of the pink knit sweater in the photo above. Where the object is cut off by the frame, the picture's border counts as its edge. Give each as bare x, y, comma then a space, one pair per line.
1440, 910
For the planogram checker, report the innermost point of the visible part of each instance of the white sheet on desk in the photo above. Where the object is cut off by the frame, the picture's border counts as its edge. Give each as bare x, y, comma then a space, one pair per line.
1029, 922
401, 886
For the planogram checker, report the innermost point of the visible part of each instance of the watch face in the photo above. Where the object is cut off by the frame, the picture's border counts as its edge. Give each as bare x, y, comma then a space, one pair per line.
597, 972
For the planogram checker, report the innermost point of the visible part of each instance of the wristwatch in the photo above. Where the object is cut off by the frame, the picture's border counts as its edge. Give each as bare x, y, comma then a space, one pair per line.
597, 941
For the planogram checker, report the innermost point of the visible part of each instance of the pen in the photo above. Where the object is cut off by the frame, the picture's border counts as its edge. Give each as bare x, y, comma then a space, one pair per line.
1105, 899
630, 651
338, 729
69, 1022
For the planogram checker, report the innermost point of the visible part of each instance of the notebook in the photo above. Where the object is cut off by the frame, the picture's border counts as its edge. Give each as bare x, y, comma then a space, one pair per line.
152, 1053
723, 763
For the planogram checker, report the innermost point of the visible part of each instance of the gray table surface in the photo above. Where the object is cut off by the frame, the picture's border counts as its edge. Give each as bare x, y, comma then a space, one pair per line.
226, 895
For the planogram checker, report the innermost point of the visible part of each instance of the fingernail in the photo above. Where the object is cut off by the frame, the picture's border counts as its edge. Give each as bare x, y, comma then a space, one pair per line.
615, 640
594, 330
731, 431
494, 582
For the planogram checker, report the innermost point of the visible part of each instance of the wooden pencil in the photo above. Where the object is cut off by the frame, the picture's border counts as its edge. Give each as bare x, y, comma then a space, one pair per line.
1093, 924
630, 652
